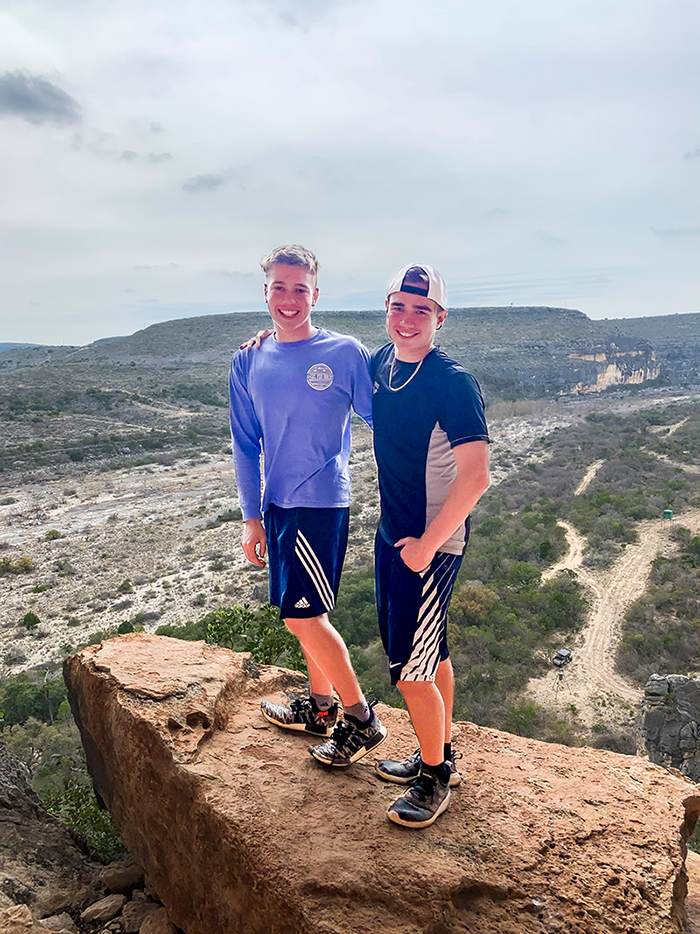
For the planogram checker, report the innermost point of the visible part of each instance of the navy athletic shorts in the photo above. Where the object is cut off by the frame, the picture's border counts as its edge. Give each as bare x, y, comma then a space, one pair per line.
412, 609
306, 550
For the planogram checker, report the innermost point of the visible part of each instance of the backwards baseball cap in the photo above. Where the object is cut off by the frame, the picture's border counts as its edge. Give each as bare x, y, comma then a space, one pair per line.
420, 280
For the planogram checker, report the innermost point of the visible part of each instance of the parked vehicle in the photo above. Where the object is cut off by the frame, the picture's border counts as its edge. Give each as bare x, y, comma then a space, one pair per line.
561, 657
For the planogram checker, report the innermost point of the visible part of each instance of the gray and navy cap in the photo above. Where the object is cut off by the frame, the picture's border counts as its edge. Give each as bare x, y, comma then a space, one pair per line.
420, 280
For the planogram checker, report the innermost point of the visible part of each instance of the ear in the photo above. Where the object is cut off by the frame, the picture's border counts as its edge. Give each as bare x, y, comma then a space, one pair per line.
265, 291
441, 315
314, 297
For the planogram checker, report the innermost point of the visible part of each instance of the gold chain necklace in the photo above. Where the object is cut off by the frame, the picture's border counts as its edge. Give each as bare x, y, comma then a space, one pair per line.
391, 374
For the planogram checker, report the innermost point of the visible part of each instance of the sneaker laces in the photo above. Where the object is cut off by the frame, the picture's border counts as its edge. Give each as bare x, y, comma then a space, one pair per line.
342, 732
422, 786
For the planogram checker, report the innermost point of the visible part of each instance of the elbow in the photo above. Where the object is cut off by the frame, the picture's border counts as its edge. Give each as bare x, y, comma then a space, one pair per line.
484, 480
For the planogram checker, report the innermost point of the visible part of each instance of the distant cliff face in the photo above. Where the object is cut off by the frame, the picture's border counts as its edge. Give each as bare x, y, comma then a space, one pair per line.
623, 361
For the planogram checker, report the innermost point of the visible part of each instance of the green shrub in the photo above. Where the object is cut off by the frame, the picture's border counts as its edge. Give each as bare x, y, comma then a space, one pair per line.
29, 695
30, 620
100, 635
125, 587
52, 535
14, 657
190, 632
521, 718
76, 806
23, 565
260, 632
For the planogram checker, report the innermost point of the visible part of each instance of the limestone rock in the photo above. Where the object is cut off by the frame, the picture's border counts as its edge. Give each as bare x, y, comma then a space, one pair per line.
122, 877
240, 830
43, 865
104, 910
158, 923
135, 913
669, 723
19, 920
60, 923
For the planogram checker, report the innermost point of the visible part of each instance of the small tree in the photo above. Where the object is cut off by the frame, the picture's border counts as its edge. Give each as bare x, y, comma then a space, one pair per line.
260, 632
29, 620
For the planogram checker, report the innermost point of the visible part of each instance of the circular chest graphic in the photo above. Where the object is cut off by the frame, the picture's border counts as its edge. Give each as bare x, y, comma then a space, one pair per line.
319, 376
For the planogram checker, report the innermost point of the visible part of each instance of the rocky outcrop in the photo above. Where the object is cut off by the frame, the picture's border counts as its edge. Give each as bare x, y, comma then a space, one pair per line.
621, 361
42, 866
668, 723
240, 830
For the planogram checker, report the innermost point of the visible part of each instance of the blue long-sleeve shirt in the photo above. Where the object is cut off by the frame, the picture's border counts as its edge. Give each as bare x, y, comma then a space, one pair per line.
291, 402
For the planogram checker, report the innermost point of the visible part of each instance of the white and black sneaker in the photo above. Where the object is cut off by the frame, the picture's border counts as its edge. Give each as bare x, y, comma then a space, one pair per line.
350, 741
422, 803
405, 771
302, 714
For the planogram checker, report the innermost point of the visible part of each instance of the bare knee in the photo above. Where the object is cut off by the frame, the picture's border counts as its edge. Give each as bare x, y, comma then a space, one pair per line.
303, 627
414, 688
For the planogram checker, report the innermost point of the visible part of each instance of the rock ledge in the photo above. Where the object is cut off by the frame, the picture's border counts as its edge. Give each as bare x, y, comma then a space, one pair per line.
240, 830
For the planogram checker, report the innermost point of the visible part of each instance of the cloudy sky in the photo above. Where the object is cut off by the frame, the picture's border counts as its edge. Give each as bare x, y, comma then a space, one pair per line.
151, 152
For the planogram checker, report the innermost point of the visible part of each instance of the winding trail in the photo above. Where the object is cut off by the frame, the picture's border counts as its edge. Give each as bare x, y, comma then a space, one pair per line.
590, 682
573, 559
589, 475
686, 468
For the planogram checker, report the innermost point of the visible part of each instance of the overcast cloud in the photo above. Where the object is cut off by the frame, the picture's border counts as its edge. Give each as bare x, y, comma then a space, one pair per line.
35, 99
153, 151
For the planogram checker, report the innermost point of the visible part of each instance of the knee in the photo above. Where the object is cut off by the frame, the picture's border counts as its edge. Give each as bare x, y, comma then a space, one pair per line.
411, 688
303, 627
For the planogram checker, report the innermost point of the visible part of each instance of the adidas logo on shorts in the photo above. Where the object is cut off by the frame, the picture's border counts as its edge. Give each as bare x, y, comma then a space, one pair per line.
302, 604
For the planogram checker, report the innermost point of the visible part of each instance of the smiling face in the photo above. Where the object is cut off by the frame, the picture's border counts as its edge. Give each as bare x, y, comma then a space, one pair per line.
291, 293
411, 323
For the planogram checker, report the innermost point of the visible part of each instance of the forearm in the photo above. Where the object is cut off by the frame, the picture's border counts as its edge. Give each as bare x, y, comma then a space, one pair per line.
472, 461
463, 496
248, 479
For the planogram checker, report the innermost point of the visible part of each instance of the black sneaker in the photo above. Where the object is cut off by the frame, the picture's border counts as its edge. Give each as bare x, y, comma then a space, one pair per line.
350, 741
301, 714
421, 804
404, 771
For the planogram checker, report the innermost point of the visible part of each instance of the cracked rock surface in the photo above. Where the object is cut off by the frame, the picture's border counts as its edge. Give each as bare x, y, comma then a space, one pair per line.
240, 830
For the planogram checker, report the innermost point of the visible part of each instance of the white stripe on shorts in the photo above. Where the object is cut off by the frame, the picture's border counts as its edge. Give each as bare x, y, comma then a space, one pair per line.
425, 656
308, 558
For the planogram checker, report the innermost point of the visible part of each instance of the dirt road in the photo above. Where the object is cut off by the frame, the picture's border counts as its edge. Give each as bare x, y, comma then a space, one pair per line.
590, 682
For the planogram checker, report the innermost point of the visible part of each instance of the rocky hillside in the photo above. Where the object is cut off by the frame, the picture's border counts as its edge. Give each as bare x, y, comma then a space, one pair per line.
515, 352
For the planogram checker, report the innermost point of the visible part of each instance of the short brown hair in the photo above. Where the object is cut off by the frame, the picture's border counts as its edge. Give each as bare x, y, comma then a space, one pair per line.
290, 255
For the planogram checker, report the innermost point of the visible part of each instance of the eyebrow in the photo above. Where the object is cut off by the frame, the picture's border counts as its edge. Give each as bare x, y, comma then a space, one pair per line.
295, 285
402, 304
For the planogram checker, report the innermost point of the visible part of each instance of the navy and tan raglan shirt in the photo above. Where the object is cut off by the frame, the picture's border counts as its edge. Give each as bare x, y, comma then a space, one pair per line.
420, 413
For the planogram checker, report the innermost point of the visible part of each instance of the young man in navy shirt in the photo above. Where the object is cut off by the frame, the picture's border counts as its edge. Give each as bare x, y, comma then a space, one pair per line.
431, 445
291, 401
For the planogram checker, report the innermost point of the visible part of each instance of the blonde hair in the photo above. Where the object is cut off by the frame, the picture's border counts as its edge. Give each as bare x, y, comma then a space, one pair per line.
290, 255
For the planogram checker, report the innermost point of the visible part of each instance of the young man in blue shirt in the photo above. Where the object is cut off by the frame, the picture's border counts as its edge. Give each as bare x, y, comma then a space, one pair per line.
431, 445
291, 401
